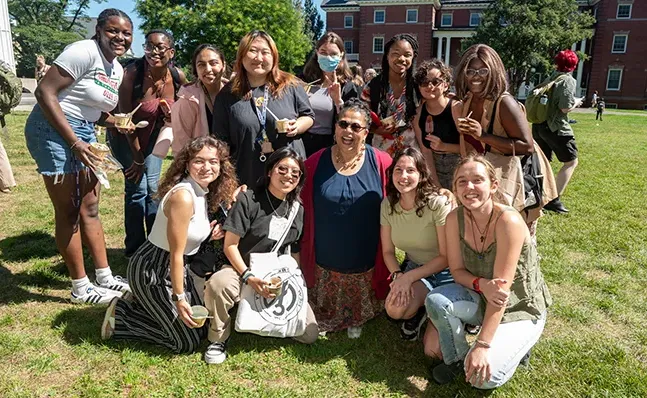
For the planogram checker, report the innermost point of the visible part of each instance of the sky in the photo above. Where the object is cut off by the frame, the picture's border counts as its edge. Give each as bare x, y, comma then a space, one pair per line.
128, 6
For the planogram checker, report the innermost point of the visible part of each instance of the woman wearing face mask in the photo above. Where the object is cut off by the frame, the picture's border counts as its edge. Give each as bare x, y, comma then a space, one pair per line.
197, 181
78, 91
192, 114
333, 85
261, 109
150, 83
393, 95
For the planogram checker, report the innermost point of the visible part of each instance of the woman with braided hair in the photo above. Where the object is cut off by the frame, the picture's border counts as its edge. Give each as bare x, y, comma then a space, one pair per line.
393, 95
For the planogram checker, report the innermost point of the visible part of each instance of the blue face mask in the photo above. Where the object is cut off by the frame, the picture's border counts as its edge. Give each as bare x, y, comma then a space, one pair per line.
328, 63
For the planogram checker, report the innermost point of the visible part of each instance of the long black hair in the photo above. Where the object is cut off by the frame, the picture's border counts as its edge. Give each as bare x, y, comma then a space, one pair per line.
411, 93
207, 46
273, 160
106, 14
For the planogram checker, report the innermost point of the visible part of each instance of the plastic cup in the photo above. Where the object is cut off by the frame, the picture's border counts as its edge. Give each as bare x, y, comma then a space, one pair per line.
282, 125
122, 120
275, 285
200, 315
101, 150
388, 121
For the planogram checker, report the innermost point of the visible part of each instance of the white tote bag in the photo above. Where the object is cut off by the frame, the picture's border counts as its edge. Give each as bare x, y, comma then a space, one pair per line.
284, 315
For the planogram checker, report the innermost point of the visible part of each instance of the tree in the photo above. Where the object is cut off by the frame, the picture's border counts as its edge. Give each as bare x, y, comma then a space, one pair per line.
44, 27
314, 23
225, 22
528, 33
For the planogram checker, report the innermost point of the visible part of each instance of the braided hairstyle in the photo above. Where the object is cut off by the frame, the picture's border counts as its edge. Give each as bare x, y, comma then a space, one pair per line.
411, 93
105, 15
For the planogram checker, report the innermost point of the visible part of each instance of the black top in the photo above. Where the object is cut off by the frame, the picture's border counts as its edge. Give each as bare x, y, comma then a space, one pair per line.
209, 115
235, 122
444, 126
250, 218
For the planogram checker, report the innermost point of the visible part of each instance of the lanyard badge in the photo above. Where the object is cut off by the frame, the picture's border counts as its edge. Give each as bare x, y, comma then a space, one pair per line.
260, 105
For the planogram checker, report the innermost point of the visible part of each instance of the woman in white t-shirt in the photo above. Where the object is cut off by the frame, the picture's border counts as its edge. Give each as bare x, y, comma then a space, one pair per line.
413, 220
78, 91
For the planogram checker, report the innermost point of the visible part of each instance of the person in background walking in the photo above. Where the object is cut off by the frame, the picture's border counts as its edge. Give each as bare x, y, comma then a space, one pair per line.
41, 68
594, 99
599, 109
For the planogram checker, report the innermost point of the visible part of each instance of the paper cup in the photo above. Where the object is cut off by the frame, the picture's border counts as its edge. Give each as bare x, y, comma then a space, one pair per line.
282, 125
275, 285
101, 150
388, 121
200, 315
122, 120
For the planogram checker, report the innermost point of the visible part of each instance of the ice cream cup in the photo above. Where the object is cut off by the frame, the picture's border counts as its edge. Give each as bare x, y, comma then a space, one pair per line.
275, 285
99, 149
282, 125
122, 120
388, 121
200, 315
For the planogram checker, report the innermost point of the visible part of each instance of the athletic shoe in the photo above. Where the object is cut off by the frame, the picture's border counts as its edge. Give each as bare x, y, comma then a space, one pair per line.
354, 332
216, 353
108, 326
95, 295
116, 283
525, 361
410, 328
444, 374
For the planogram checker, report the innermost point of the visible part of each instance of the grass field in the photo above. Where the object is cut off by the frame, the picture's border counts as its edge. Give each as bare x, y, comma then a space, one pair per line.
594, 345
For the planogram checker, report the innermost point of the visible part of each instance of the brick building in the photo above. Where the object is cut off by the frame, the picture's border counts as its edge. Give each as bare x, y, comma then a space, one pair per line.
616, 68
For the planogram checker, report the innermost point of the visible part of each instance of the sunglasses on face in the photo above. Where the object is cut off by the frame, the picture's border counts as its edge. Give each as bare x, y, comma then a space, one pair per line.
284, 170
149, 48
355, 127
473, 72
433, 82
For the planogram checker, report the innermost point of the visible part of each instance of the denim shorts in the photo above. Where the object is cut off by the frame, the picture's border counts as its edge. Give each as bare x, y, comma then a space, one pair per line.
441, 278
51, 152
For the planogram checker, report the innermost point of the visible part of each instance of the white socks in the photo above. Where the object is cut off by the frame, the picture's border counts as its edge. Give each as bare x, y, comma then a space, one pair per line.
104, 275
80, 286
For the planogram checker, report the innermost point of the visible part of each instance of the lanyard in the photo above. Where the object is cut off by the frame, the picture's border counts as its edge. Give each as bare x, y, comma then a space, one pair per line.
261, 114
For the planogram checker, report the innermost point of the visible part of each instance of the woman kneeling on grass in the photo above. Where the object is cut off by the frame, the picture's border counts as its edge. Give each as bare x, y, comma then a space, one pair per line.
413, 219
199, 179
254, 224
499, 285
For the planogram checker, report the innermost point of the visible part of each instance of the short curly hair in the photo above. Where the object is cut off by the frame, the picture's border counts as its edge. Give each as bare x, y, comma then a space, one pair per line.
446, 72
566, 61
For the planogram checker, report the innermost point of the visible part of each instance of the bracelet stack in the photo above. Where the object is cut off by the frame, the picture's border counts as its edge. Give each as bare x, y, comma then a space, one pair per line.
246, 275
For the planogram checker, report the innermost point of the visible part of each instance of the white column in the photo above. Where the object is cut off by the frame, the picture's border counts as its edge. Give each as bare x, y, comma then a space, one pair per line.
447, 50
440, 46
580, 69
6, 44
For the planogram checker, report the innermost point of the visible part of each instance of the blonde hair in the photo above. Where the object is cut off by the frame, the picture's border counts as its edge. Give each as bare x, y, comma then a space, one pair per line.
489, 170
497, 82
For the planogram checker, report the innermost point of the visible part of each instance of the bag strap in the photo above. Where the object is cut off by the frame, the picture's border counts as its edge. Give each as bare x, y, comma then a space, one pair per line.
490, 127
293, 214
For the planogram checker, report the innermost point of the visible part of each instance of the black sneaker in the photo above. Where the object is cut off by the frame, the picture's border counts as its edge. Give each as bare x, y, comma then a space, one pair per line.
410, 329
525, 361
443, 373
556, 205
216, 353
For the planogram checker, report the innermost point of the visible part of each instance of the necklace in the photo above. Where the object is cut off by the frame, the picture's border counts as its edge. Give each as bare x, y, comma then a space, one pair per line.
158, 88
345, 165
272, 206
483, 233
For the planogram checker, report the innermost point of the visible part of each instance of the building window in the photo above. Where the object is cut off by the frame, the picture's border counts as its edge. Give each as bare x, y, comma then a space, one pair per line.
614, 79
348, 46
378, 45
379, 16
619, 44
624, 11
348, 21
412, 16
475, 19
446, 20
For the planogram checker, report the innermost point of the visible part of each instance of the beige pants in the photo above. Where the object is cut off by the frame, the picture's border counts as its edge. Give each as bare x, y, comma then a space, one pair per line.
222, 293
6, 174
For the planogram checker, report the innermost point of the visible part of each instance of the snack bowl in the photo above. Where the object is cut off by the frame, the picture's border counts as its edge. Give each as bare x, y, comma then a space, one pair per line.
99, 149
122, 120
282, 125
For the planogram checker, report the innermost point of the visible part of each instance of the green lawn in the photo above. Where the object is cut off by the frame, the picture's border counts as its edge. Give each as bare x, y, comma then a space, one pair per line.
594, 345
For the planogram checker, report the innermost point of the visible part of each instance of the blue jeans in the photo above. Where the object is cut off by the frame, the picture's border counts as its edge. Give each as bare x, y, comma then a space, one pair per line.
139, 206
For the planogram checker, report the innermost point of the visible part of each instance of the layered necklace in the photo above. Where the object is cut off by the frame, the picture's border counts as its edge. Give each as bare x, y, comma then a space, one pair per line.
482, 233
158, 84
346, 165
274, 210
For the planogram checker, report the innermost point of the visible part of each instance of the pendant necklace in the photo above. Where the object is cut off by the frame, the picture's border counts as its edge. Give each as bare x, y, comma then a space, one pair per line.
349, 164
483, 234
272, 206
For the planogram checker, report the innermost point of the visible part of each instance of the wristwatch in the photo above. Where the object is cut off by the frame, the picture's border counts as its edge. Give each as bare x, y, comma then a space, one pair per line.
475, 285
178, 297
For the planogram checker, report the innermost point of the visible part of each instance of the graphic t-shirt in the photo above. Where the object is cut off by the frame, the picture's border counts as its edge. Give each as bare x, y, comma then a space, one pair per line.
96, 81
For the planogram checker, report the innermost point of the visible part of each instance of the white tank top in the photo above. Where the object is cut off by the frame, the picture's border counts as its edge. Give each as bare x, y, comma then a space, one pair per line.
198, 226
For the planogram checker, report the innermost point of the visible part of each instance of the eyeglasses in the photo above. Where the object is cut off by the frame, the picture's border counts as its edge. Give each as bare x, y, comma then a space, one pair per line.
431, 82
149, 48
356, 127
473, 72
284, 170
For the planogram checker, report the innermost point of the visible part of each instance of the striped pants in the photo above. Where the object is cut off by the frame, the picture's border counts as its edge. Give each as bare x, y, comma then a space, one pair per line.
151, 316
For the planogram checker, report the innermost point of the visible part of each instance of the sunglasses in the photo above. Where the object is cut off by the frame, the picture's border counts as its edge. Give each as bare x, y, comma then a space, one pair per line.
431, 82
149, 48
473, 72
356, 127
284, 170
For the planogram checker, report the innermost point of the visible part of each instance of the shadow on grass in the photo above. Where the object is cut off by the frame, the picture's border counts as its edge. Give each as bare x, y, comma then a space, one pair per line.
12, 290
28, 246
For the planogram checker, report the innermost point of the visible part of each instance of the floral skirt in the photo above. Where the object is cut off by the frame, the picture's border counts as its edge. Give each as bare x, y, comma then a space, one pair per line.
340, 301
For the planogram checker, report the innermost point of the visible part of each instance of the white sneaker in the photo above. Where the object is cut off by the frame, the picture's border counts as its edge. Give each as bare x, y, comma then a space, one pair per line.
116, 283
108, 326
354, 332
95, 295
216, 353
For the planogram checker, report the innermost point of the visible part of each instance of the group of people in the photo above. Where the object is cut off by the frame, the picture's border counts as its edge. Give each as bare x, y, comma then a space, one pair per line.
398, 163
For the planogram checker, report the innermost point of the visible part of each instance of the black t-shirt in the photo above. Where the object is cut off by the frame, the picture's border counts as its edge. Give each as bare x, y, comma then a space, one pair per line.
250, 218
235, 122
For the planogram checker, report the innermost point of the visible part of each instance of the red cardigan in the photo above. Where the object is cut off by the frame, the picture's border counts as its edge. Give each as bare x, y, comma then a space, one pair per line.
380, 284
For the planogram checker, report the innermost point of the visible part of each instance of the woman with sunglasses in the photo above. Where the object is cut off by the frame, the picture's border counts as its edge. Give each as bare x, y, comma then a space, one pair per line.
435, 121
333, 84
341, 257
150, 84
254, 224
393, 95
261, 109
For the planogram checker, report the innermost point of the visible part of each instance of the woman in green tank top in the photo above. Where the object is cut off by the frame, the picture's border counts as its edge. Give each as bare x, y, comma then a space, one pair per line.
499, 285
